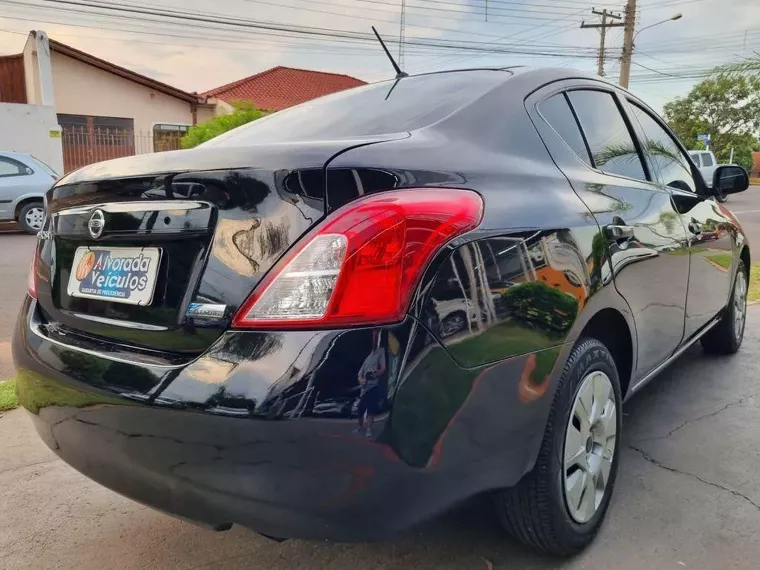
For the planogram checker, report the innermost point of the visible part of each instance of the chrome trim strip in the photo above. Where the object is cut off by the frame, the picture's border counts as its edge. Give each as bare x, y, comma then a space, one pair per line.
125, 207
34, 327
118, 323
646, 379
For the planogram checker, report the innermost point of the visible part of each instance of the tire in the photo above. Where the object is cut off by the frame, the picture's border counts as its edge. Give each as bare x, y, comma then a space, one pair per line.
721, 197
32, 217
726, 337
537, 511
453, 324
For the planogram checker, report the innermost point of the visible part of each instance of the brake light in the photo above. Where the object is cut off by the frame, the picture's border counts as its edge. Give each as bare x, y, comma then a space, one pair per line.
31, 280
362, 264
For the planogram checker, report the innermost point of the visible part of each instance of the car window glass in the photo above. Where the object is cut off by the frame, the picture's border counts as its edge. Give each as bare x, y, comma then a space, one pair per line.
609, 139
379, 108
695, 158
664, 152
558, 114
9, 167
707, 159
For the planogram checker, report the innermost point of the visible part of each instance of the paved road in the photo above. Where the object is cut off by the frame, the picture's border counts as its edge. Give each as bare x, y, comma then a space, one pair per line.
688, 494
746, 206
15, 256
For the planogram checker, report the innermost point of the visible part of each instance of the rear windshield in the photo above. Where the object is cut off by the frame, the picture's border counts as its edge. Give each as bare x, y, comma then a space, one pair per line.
380, 108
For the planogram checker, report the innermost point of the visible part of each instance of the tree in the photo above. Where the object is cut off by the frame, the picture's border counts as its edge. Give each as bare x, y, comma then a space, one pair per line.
244, 112
727, 107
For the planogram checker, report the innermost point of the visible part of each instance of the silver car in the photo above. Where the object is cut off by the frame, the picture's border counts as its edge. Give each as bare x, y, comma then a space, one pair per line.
23, 183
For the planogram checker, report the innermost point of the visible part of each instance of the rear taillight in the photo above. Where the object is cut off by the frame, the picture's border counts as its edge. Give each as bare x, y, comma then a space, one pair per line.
31, 280
362, 264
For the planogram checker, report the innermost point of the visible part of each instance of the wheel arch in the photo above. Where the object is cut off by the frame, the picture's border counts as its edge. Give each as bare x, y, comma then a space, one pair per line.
745, 256
23, 202
610, 327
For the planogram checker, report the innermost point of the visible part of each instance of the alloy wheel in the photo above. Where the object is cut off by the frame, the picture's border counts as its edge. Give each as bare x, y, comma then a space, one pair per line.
590, 440
740, 304
35, 217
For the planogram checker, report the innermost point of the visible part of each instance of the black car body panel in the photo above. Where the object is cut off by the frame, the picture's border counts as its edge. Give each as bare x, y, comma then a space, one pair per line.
233, 437
254, 427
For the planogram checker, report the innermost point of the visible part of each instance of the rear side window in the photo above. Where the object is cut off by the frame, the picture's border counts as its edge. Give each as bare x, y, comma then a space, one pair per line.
707, 159
664, 153
609, 139
380, 108
556, 111
695, 157
10, 167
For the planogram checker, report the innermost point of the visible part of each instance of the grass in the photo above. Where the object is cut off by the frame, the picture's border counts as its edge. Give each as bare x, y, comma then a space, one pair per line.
753, 295
8, 395
722, 259
505, 339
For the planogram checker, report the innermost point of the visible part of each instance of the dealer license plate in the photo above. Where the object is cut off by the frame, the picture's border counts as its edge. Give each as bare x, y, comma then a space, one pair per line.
117, 274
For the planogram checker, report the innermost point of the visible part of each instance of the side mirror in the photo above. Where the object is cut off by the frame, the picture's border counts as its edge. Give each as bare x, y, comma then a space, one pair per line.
730, 179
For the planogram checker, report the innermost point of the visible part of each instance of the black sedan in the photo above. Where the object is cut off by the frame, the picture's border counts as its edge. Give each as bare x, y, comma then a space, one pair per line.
343, 318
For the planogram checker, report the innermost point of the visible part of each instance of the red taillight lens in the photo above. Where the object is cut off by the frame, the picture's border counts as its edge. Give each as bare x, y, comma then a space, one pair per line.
361, 265
31, 280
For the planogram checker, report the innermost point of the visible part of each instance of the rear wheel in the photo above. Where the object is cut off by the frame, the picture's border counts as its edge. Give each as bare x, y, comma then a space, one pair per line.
559, 506
453, 323
726, 337
31, 217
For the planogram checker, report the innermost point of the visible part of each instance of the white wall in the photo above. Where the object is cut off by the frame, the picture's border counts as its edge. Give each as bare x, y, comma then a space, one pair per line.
81, 89
33, 129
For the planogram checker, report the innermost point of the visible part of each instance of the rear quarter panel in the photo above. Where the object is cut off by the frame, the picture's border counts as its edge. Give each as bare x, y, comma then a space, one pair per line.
528, 279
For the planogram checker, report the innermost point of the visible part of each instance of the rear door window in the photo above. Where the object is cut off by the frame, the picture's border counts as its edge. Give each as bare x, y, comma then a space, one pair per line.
612, 146
557, 112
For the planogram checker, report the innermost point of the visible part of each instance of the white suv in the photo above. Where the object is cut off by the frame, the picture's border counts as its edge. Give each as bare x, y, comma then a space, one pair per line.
23, 183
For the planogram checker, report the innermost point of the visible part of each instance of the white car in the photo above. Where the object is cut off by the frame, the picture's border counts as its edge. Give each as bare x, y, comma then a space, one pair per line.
23, 183
706, 162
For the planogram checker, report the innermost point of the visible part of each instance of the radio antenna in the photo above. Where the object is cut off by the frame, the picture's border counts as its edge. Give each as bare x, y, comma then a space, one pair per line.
399, 73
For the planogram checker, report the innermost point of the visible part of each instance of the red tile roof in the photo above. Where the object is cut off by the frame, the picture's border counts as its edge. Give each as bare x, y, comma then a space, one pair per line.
282, 87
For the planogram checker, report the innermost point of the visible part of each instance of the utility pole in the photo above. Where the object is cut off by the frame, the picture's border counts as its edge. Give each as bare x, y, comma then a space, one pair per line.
625, 61
402, 35
603, 26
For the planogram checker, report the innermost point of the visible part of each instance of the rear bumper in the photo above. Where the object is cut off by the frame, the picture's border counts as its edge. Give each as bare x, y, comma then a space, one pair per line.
230, 440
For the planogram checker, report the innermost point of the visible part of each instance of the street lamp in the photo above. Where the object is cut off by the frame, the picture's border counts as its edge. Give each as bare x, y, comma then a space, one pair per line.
674, 17
629, 42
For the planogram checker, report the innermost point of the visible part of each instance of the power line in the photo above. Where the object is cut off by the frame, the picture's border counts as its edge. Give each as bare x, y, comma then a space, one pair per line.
463, 46
513, 36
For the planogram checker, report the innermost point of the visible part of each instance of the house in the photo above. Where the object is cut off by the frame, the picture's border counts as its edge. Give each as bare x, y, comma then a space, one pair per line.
104, 110
282, 87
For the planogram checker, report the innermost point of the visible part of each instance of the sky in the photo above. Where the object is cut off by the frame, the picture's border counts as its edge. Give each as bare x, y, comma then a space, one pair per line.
440, 34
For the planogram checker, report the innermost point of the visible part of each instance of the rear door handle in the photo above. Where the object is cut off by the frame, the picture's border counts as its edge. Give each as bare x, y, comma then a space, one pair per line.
619, 233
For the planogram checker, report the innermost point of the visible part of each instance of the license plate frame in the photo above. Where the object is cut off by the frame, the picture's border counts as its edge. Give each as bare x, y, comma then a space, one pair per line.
93, 277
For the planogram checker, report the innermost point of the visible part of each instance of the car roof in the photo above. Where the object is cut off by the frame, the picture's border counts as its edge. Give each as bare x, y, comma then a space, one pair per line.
17, 155
538, 74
